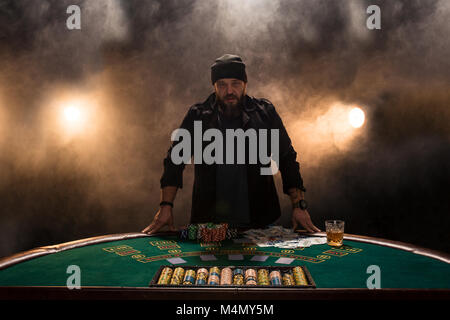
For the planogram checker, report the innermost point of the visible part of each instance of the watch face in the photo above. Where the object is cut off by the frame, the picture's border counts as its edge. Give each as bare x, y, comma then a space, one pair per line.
303, 204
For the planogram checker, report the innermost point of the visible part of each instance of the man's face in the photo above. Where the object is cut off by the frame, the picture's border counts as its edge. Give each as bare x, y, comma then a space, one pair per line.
230, 92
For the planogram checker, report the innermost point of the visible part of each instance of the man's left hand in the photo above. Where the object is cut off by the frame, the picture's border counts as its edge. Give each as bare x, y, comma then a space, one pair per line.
302, 217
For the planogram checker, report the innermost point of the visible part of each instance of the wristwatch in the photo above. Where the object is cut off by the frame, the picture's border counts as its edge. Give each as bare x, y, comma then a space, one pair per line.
302, 204
164, 203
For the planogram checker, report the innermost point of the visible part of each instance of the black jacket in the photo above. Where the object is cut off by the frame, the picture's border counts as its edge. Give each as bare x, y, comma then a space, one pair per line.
263, 199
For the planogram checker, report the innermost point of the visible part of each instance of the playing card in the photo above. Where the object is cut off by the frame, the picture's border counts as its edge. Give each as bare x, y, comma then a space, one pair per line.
284, 260
176, 260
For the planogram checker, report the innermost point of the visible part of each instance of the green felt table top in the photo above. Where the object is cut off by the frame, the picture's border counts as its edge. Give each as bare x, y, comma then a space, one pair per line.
134, 262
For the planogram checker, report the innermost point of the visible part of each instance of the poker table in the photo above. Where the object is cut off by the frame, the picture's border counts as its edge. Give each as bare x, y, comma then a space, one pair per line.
121, 266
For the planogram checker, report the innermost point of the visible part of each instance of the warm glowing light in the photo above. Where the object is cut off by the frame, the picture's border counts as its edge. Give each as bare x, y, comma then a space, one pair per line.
356, 117
72, 114
327, 128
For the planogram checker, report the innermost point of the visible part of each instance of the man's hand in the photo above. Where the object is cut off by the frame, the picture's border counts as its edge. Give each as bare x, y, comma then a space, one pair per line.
162, 217
302, 217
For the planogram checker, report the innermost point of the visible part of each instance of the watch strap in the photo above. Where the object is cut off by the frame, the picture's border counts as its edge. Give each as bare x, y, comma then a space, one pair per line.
163, 203
302, 204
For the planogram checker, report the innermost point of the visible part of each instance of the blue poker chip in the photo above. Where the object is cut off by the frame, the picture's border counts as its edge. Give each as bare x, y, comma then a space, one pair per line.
275, 281
238, 271
200, 281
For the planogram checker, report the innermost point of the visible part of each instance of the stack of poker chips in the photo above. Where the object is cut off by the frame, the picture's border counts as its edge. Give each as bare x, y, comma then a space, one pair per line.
288, 279
263, 277
166, 275
235, 276
299, 276
208, 232
178, 276
189, 277
226, 276
238, 276
202, 276
275, 278
250, 277
214, 276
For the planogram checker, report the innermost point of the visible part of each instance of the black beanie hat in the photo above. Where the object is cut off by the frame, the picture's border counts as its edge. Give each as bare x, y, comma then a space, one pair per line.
228, 66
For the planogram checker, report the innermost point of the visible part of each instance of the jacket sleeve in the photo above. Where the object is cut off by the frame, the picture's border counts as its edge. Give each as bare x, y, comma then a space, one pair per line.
173, 173
288, 166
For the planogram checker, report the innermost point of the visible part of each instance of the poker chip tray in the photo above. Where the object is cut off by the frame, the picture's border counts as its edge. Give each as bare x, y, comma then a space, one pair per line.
283, 269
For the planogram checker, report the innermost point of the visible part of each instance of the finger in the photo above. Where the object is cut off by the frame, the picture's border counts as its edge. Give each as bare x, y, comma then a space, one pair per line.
308, 227
154, 227
150, 226
153, 230
171, 226
308, 223
294, 224
304, 226
312, 226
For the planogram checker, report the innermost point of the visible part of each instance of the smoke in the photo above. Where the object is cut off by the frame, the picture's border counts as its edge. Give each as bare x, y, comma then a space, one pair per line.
141, 64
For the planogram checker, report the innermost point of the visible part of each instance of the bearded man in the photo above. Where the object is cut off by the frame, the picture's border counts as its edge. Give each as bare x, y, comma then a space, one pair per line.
236, 193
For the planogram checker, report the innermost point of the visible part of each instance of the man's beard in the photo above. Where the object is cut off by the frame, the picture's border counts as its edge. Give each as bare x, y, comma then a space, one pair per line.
231, 107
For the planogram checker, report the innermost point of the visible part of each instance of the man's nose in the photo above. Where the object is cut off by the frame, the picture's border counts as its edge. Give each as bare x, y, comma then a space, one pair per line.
229, 89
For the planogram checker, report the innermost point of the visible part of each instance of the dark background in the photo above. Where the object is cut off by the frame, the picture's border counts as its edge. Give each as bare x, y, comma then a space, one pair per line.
143, 63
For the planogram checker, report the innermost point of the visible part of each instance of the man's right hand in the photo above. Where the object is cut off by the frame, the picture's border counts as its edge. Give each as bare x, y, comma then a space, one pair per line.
162, 218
